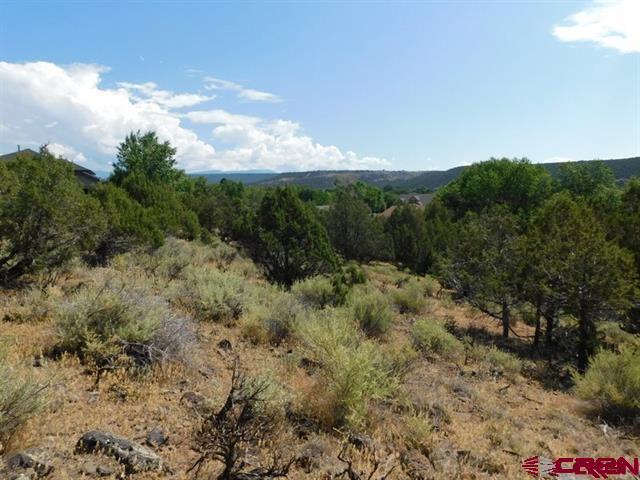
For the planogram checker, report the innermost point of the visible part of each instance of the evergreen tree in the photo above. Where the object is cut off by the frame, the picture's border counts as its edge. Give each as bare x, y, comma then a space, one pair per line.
288, 239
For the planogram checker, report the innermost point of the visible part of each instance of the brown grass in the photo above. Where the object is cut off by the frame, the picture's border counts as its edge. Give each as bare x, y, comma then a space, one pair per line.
469, 424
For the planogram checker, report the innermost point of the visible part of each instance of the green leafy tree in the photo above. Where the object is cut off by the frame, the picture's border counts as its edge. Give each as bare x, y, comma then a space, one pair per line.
45, 217
517, 184
483, 262
288, 239
438, 230
585, 179
145, 155
580, 271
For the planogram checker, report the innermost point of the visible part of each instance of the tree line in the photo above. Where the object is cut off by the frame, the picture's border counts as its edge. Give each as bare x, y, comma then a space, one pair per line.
504, 236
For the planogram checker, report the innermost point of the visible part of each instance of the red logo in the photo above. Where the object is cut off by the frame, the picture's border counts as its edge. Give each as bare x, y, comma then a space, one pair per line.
539, 467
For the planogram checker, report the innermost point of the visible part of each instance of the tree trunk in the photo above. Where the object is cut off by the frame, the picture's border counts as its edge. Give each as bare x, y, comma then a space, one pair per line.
505, 319
548, 334
536, 336
585, 347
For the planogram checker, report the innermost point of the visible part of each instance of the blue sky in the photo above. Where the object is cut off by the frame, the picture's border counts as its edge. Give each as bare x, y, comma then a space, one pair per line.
297, 86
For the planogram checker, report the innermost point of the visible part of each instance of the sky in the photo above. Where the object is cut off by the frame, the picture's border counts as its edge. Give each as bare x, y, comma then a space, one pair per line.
290, 86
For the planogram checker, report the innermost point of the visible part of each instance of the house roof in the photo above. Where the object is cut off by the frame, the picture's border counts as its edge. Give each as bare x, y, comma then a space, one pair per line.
78, 169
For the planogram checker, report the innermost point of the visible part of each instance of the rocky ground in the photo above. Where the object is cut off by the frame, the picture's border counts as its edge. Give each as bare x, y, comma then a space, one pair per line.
450, 418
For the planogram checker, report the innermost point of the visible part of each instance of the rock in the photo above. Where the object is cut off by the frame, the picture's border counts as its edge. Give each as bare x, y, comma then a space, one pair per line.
22, 476
34, 458
444, 457
310, 456
156, 437
135, 457
361, 442
225, 345
91, 469
417, 466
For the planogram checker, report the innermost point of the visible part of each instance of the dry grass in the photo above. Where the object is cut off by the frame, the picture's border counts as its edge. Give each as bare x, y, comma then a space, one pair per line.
469, 422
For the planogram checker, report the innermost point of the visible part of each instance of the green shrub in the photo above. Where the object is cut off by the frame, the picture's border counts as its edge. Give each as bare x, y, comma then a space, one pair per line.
45, 217
30, 305
317, 292
431, 337
281, 318
20, 398
612, 382
498, 361
410, 298
431, 286
111, 318
372, 312
213, 295
353, 371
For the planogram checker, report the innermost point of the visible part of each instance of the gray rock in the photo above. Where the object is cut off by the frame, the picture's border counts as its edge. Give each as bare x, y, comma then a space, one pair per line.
361, 442
34, 458
225, 345
156, 437
135, 457
310, 456
91, 469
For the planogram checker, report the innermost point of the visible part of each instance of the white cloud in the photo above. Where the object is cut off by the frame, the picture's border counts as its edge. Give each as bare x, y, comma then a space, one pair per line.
610, 24
150, 92
67, 152
68, 107
243, 93
276, 144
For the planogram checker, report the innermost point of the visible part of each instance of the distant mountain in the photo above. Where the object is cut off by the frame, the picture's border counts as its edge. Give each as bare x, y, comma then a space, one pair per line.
623, 169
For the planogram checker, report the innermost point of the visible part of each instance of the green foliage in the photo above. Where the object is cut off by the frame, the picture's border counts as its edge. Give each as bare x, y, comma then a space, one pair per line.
45, 217
517, 184
354, 373
21, 397
612, 382
579, 269
498, 361
438, 229
213, 295
289, 241
278, 320
112, 318
372, 312
410, 297
483, 262
317, 292
129, 224
145, 155
354, 232
407, 229
431, 337
585, 179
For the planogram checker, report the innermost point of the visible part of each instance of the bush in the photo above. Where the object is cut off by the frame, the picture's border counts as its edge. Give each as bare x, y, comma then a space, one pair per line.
353, 372
30, 305
317, 292
45, 217
372, 312
410, 298
613, 382
20, 398
213, 295
431, 337
111, 319
499, 362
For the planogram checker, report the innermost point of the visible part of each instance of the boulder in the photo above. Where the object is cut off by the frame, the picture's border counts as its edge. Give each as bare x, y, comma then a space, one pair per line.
135, 457
156, 438
34, 458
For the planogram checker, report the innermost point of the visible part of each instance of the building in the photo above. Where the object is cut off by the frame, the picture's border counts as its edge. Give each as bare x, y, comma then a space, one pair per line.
87, 178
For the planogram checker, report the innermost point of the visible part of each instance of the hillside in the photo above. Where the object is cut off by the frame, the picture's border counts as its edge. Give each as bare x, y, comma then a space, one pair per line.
459, 405
623, 169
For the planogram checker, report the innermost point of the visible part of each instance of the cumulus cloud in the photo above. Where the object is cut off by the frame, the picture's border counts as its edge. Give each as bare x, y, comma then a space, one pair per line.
67, 152
69, 108
610, 24
243, 93
278, 144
